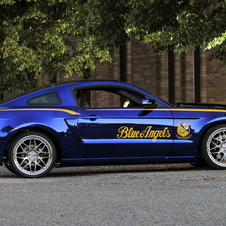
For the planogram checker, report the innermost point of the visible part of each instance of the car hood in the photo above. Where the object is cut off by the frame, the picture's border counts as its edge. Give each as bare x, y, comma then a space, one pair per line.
196, 105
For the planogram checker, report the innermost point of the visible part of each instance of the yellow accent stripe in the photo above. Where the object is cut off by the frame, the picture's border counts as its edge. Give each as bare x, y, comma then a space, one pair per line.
209, 110
43, 109
157, 109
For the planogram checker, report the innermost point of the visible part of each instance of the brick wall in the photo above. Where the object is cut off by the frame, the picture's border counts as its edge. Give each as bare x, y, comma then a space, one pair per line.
150, 72
216, 80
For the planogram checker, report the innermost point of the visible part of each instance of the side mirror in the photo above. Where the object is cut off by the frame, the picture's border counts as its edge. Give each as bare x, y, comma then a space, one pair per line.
148, 103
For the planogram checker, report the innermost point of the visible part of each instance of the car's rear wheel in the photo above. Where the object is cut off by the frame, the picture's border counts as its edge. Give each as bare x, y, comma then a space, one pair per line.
32, 154
8, 167
213, 147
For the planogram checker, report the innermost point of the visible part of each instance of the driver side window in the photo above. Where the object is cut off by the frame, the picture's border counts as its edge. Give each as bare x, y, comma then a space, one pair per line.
97, 98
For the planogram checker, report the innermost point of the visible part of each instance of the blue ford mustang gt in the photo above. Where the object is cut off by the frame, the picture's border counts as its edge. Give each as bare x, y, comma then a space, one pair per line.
106, 123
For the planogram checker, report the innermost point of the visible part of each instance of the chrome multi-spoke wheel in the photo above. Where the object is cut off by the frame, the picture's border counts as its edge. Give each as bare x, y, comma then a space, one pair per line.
214, 147
32, 154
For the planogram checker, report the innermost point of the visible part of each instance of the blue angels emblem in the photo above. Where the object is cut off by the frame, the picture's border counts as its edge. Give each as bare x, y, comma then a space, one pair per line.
183, 130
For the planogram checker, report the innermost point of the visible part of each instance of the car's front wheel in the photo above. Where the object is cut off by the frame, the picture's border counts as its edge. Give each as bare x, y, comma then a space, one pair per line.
32, 154
213, 147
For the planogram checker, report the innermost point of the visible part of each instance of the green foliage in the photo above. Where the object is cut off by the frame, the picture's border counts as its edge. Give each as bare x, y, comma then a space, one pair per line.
65, 36
179, 25
47, 36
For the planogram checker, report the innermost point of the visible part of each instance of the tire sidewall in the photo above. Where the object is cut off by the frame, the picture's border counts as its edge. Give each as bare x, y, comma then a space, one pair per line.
11, 154
204, 151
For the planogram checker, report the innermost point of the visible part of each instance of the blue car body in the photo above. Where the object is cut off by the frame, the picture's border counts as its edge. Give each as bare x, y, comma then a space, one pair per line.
150, 132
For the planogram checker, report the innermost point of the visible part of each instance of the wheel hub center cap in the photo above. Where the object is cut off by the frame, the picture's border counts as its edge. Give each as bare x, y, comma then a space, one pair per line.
32, 155
223, 147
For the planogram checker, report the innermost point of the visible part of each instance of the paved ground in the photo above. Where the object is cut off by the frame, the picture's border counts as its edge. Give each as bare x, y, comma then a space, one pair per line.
133, 195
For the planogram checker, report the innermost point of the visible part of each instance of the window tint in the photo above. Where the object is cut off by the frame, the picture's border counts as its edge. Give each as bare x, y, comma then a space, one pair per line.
110, 98
51, 98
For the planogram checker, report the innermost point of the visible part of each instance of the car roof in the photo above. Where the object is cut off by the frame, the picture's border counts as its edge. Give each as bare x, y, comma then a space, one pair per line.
62, 87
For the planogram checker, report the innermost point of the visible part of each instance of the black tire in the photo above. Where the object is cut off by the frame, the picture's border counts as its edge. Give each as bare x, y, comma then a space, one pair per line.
200, 162
213, 147
32, 154
8, 167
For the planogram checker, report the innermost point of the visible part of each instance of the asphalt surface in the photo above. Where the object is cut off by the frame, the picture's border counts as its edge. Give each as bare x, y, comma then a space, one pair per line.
119, 195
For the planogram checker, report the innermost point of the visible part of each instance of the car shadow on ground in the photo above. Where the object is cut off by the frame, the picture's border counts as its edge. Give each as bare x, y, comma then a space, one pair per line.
98, 170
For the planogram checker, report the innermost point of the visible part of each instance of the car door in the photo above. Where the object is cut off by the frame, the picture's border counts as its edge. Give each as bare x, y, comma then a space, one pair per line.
125, 131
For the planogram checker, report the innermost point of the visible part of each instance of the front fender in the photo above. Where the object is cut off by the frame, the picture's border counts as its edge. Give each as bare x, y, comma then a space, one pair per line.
213, 122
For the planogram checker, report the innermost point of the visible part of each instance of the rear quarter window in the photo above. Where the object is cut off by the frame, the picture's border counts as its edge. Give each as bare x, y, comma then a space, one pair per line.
51, 98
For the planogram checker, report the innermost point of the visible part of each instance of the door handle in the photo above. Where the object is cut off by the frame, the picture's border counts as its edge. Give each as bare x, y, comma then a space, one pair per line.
91, 117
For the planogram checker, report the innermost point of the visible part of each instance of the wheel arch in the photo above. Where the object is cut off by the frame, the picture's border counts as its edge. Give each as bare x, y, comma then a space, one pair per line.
45, 131
205, 130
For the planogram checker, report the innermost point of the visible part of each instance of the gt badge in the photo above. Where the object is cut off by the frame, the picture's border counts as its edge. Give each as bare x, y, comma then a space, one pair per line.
183, 130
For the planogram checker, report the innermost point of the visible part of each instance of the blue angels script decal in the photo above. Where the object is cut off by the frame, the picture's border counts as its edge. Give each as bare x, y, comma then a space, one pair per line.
129, 132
